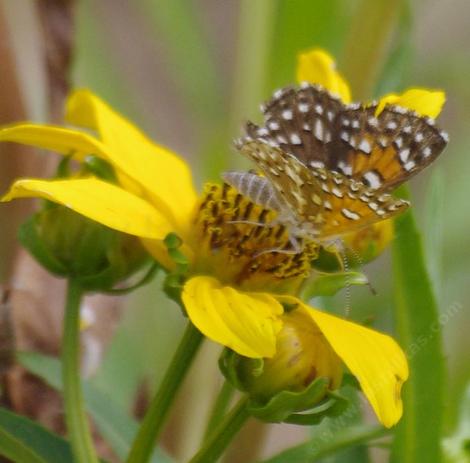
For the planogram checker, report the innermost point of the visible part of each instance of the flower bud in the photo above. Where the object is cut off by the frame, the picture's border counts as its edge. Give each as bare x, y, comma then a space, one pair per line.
302, 356
355, 248
72, 246
368, 243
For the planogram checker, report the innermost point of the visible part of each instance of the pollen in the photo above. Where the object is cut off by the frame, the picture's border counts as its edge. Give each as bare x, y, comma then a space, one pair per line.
244, 244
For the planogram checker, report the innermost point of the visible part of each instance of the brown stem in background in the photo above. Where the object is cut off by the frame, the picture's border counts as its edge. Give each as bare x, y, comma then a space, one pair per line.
56, 17
36, 296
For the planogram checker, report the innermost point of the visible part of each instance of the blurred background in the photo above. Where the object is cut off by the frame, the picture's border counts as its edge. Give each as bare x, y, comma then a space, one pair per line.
189, 72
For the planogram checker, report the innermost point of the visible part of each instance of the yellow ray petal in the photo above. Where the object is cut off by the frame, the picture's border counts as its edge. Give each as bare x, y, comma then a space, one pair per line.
424, 102
374, 358
318, 67
245, 322
100, 201
49, 137
162, 173
81, 144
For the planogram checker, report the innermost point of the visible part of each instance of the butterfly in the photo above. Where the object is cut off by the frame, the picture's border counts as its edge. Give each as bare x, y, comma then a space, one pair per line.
328, 168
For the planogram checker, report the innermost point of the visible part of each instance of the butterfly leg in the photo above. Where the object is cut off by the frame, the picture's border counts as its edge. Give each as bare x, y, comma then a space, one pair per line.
297, 248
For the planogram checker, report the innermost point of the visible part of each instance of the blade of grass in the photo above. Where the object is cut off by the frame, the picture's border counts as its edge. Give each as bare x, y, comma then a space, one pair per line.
418, 435
374, 23
301, 25
116, 426
192, 63
24, 441
319, 448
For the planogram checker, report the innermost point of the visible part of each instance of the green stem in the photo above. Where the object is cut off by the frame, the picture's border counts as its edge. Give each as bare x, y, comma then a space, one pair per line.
223, 435
256, 26
368, 44
75, 417
220, 407
154, 419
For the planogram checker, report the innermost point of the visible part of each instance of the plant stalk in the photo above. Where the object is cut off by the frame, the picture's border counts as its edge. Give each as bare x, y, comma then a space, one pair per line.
154, 419
221, 437
77, 422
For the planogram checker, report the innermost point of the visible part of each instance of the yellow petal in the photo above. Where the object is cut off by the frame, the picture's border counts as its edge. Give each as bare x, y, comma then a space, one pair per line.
318, 67
100, 201
424, 102
64, 141
245, 322
163, 174
374, 358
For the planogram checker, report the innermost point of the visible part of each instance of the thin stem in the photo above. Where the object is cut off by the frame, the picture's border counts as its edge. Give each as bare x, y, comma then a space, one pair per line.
223, 435
220, 407
255, 29
368, 45
75, 417
154, 419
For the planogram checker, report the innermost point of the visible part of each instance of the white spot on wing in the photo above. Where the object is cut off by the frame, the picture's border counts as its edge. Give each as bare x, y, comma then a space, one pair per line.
319, 109
295, 139
287, 114
373, 179
317, 164
409, 165
404, 155
350, 214
364, 145
318, 130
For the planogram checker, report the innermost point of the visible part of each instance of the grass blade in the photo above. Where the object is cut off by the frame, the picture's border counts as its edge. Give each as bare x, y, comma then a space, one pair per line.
417, 320
23, 441
116, 426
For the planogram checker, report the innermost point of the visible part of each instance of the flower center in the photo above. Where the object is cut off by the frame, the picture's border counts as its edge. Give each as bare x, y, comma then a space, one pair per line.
238, 241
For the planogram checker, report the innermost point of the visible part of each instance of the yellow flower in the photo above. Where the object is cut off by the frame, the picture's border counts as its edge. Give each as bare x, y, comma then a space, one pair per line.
234, 294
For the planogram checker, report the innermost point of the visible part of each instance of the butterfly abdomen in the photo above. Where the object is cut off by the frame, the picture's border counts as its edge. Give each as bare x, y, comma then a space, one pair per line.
258, 189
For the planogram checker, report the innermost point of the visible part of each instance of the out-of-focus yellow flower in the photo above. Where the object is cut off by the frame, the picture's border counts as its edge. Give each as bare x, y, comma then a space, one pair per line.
318, 67
233, 294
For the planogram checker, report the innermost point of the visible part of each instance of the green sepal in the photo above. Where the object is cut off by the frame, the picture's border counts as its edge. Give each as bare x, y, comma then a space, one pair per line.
172, 241
333, 406
281, 406
285, 405
29, 237
72, 246
228, 364
100, 168
327, 261
330, 284
174, 281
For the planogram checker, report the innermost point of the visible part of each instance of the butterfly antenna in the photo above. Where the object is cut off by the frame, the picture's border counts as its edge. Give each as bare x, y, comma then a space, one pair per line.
361, 264
345, 263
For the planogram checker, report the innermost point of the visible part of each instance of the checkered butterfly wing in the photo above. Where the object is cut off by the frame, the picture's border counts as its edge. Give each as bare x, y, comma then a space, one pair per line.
381, 151
332, 202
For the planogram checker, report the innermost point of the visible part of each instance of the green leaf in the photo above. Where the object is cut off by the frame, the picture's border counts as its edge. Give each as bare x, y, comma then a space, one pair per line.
116, 426
418, 329
24, 441
283, 404
325, 445
434, 226
329, 285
